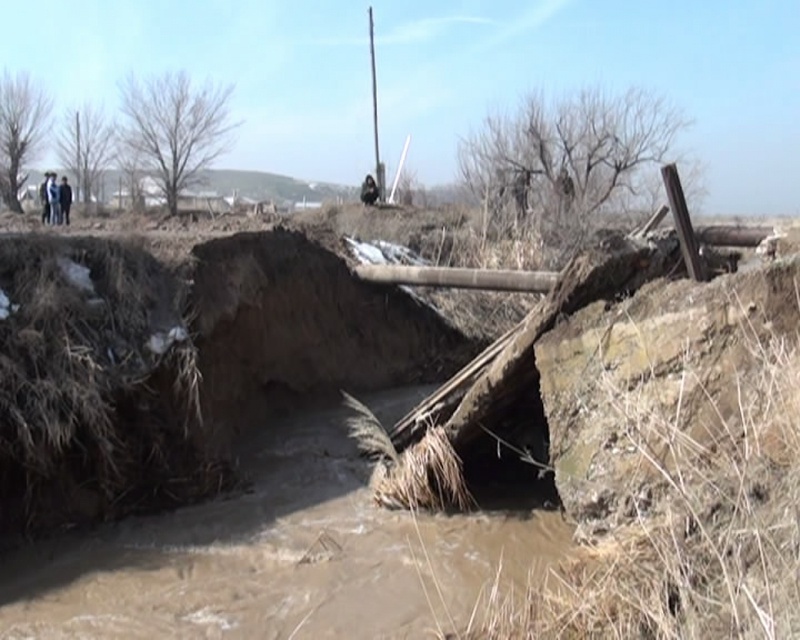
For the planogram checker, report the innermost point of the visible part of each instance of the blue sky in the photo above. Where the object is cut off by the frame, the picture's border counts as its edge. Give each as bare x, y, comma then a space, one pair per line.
303, 85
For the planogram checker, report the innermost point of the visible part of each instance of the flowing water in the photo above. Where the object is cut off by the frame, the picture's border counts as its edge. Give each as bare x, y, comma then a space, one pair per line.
304, 554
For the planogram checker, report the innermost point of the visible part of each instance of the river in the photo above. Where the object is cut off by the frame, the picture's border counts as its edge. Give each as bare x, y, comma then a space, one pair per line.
303, 554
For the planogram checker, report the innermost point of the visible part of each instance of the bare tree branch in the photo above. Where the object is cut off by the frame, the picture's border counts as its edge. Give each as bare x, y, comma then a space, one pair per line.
24, 114
86, 147
576, 158
177, 130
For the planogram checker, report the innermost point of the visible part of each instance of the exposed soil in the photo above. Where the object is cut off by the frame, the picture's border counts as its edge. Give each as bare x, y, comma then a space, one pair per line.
94, 425
280, 318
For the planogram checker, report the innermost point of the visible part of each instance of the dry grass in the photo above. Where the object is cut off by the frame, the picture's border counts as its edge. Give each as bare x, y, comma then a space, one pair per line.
70, 358
427, 476
716, 554
368, 432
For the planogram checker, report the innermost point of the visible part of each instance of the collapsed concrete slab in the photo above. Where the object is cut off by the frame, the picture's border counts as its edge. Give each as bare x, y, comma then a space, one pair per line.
493, 409
675, 349
486, 391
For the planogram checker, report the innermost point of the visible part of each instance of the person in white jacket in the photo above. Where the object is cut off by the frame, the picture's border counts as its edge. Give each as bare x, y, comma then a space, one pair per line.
54, 198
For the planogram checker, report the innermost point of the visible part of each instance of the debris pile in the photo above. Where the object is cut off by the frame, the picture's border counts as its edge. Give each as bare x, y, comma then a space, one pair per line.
494, 407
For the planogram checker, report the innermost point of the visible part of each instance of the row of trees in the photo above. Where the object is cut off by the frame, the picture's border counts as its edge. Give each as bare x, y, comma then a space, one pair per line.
166, 128
562, 168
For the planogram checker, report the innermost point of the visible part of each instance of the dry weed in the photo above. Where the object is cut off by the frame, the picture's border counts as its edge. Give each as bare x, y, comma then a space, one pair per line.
718, 555
72, 359
372, 439
429, 475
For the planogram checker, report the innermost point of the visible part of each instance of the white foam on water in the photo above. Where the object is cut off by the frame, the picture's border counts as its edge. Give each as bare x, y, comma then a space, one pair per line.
207, 617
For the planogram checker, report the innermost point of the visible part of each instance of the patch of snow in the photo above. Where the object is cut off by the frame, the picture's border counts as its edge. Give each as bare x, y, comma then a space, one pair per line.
398, 254
366, 253
6, 308
77, 275
382, 252
160, 342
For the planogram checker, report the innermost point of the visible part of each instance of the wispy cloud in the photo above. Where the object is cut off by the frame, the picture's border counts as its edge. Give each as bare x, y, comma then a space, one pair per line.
415, 32
531, 20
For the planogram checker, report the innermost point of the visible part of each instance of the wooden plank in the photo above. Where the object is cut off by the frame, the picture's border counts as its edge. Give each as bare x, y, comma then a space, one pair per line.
683, 223
653, 222
492, 280
453, 390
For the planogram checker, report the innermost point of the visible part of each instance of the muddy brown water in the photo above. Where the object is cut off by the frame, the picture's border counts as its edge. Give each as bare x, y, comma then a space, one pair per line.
303, 554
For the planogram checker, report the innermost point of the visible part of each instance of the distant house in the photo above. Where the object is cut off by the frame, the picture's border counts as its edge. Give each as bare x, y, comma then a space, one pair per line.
203, 201
305, 204
150, 195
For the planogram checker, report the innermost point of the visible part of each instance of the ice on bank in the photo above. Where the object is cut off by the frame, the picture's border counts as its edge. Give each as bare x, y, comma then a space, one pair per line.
161, 341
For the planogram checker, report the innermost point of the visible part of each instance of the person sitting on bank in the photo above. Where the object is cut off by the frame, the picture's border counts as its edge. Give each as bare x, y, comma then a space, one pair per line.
369, 191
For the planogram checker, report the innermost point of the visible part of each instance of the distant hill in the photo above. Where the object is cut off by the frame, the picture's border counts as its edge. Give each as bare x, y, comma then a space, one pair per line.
258, 185
283, 190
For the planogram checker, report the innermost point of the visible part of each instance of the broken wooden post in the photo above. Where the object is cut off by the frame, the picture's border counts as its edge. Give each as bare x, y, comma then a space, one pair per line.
683, 223
652, 223
458, 278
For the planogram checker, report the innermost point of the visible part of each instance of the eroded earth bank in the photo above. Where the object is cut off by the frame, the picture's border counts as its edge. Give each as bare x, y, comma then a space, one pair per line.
630, 406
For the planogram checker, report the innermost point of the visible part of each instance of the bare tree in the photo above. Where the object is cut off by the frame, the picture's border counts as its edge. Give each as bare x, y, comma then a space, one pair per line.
176, 129
86, 146
24, 114
130, 165
410, 190
559, 166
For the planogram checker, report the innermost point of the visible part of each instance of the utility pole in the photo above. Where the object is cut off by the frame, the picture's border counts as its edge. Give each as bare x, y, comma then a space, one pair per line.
379, 173
78, 183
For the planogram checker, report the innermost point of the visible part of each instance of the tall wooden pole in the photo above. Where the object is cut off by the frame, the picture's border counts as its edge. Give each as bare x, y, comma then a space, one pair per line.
78, 183
683, 223
378, 172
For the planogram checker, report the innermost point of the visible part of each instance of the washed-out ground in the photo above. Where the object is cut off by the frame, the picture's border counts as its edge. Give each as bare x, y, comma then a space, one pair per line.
277, 324
305, 550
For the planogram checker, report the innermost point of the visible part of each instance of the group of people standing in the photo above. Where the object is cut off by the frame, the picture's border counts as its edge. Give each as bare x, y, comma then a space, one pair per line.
56, 200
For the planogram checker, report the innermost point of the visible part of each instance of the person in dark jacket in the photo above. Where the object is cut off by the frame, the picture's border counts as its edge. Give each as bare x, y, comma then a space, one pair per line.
369, 191
43, 199
65, 199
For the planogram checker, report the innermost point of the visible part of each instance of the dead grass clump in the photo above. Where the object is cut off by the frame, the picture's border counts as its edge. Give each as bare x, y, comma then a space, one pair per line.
72, 350
429, 475
368, 432
717, 555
